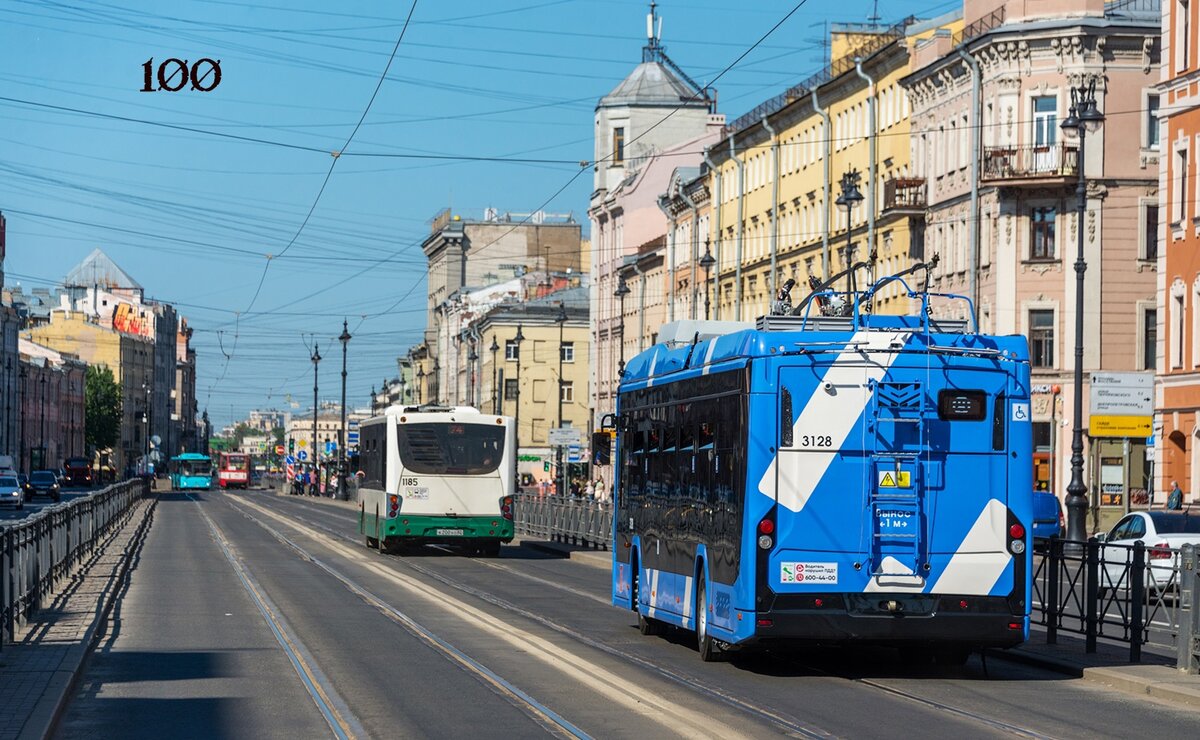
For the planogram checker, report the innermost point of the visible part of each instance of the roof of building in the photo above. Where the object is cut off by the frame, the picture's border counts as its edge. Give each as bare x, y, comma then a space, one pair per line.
653, 83
572, 298
99, 269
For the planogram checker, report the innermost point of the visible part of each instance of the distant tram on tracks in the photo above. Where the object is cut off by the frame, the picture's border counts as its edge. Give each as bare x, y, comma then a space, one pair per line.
437, 475
233, 470
827, 475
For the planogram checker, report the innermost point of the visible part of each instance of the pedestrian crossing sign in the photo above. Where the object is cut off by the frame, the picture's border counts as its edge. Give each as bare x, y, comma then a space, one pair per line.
895, 479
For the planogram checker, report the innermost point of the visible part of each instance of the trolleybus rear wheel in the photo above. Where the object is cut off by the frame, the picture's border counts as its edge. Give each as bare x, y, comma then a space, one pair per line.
710, 650
490, 550
372, 543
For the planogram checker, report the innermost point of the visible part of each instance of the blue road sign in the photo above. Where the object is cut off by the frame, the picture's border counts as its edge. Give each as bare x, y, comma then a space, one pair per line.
302, 455
330, 447
290, 459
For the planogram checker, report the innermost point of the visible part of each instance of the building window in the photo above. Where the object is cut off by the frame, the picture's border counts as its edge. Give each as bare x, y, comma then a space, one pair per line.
1045, 120
1183, 35
1041, 236
1041, 337
568, 352
510, 390
1042, 431
618, 145
1150, 231
568, 391
1179, 186
1177, 319
1151, 122
1149, 339
511, 350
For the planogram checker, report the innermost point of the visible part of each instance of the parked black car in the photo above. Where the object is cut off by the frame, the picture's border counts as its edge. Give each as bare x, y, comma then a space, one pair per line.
44, 483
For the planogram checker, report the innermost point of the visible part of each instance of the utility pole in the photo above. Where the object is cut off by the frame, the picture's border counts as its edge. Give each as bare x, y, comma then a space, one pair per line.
344, 338
316, 359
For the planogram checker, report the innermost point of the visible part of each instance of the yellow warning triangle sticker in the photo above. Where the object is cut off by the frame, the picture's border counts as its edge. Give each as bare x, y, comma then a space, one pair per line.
887, 481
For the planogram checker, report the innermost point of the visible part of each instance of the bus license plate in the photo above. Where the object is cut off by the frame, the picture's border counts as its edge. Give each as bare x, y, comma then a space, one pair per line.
450, 533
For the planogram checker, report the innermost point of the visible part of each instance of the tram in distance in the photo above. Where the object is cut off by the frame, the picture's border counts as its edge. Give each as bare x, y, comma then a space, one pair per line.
233, 470
191, 470
437, 475
827, 475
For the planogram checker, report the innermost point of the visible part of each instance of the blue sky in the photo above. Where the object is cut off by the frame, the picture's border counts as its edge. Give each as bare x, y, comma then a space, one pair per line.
161, 182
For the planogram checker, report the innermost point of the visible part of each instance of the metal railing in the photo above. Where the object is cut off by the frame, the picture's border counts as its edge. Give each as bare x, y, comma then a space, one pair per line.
564, 519
904, 193
1016, 162
38, 553
1127, 594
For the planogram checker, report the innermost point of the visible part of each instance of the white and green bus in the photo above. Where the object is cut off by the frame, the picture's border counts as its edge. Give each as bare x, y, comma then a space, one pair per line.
437, 475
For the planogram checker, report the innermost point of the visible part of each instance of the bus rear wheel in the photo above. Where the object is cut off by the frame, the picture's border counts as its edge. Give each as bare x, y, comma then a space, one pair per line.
490, 550
710, 649
372, 543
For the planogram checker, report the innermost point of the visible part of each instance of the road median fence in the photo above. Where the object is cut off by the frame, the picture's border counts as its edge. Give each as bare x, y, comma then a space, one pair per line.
39, 553
573, 521
1135, 595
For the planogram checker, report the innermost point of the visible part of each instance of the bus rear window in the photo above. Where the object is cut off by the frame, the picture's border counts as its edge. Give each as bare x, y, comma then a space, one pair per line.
450, 449
956, 405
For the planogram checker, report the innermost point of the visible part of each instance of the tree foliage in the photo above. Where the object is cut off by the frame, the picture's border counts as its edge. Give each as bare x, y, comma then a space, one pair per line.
102, 408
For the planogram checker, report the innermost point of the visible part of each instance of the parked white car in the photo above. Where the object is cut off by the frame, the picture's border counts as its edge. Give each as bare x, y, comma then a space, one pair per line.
1163, 533
11, 491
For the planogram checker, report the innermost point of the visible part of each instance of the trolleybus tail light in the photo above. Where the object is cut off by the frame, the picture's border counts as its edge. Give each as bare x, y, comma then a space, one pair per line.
1161, 551
766, 622
766, 527
506, 507
1017, 532
393, 504
1016, 626
964, 605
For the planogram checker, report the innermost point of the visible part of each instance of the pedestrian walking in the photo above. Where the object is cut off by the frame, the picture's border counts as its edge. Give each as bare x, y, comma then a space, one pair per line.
1175, 497
601, 491
589, 491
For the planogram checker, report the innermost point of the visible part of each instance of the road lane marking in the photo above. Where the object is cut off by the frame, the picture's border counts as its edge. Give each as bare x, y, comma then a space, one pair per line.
674, 718
329, 703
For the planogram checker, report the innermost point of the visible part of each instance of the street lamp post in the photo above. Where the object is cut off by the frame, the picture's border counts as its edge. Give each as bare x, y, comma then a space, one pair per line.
495, 376
344, 338
403, 392
420, 383
472, 358
849, 198
22, 428
561, 319
620, 293
707, 263
520, 337
1084, 116
437, 381
42, 380
146, 386
316, 359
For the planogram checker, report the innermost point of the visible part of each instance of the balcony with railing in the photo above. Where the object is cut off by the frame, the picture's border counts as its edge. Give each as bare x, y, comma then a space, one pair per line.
904, 196
1033, 163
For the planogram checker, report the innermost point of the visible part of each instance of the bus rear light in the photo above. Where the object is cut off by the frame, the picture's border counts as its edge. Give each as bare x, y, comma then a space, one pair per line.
765, 622
765, 542
766, 526
491, 531
818, 603
393, 504
964, 605
1016, 531
1016, 626
506, 508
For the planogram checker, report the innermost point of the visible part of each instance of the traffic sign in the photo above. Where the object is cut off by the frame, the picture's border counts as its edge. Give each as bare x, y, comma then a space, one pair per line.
563, 436
290, 459
303, 443
330, 447
1122, 394
278, 449
301, 455
1120, 426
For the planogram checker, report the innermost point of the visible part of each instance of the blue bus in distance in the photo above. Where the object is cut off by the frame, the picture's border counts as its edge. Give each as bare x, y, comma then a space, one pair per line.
191, 470
827, 475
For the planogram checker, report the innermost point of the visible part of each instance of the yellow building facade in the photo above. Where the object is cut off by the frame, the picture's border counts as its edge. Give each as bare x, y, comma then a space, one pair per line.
131, 359
776, 174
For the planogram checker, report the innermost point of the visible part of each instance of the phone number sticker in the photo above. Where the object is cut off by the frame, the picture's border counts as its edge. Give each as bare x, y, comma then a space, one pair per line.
808, 572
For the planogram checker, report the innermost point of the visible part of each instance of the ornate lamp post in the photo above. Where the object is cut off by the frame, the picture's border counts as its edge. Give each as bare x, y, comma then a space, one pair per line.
316, 359
520, 337
42, 381
620, 293
403, 392
420, 383
344, 338
1084, 117
561, 320
849, 198
495, 376
707, 263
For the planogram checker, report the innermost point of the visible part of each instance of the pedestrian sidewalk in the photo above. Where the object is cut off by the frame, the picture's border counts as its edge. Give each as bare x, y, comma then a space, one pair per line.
38, 671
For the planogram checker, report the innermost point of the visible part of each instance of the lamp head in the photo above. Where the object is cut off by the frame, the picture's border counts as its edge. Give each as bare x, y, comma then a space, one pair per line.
622, 288
520, 337
707, 260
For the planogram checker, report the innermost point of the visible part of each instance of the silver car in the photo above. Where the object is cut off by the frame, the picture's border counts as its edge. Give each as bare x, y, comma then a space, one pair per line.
12, 492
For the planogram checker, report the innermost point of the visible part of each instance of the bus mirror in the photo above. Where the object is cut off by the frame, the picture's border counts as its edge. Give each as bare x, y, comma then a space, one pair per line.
601, 448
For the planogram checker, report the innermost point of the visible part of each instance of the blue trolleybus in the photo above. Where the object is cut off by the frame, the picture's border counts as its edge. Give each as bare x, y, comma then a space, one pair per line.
832, 478
191, 470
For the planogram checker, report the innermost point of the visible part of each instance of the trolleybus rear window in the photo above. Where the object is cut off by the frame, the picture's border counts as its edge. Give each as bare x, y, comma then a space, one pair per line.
450, 449
956, 405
